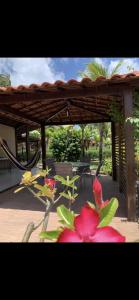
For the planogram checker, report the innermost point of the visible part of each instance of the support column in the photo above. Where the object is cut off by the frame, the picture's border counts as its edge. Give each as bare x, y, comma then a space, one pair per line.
16, 143
114, 175
27, 144
130, 159
43, 144
120, 160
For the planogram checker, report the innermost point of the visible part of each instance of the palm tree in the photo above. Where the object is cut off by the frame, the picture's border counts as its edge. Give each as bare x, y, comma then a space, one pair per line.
5, 80
94, 70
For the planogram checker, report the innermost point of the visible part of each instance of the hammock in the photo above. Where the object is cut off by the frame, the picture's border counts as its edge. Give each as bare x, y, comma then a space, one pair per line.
13, 159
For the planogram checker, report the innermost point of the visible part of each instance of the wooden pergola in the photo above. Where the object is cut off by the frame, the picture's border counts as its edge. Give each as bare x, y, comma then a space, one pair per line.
73, 102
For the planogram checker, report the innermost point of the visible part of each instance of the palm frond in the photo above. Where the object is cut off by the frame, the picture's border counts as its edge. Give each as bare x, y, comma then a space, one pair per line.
95, 70
83, 74
117, 67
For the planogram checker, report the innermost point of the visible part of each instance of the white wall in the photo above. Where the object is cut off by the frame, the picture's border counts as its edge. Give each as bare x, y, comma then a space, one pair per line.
8, 133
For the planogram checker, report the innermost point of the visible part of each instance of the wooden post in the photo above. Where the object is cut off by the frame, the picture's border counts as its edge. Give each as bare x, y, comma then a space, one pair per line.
43, 143
120, 160
16, 143
27, 144
114, 175
130, 159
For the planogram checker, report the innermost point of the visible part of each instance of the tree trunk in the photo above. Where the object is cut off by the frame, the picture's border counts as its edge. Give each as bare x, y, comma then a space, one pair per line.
83, 151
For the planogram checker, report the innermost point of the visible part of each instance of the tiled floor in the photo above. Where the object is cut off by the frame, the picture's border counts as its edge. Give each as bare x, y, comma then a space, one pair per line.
17, 210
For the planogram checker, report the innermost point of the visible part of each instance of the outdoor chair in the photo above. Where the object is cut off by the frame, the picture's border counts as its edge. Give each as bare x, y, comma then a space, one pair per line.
84, 170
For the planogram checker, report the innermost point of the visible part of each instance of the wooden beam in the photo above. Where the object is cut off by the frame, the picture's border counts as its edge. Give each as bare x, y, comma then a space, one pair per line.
46, 112
17, 113
114, 175
42, 106
130, 159
89, 121
56, 113
43, 144
16, 142
64, 93
27, 144
89, 110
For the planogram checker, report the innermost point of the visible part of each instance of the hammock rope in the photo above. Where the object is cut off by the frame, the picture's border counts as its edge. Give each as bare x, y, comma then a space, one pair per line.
13, 159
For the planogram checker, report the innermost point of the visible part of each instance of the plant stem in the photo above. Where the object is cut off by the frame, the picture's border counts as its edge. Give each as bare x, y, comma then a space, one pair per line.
31, 226
46, 218
28, 232
35, 195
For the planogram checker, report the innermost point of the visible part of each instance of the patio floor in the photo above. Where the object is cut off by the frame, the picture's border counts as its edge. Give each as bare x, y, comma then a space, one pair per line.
17, 210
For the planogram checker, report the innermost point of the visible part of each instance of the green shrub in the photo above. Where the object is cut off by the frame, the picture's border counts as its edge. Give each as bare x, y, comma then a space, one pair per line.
66, 145
94, 153
107, 166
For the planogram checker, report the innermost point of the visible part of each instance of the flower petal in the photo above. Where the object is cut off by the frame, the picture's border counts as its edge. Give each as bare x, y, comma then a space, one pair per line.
69, 236
97, 190
87, 222
107, 234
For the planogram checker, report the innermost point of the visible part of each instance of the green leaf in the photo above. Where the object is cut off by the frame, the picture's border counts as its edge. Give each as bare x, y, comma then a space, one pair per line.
66, 215
91, 205
65, 195
74, 178
59, 178
50, 235
108, 212
64, 224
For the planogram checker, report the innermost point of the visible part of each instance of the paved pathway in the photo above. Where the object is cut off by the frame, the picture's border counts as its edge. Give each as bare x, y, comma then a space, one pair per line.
17, 210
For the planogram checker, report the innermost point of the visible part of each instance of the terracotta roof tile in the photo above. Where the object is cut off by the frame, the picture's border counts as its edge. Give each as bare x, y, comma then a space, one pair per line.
72, 83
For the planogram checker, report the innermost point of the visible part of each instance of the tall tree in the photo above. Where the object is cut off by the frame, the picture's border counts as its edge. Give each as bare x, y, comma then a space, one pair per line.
94, 70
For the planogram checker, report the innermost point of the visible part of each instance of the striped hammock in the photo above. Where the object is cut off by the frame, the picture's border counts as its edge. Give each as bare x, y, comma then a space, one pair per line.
13, 159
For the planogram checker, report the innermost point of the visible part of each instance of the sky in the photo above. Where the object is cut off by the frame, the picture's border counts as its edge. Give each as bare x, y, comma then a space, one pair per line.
38, 70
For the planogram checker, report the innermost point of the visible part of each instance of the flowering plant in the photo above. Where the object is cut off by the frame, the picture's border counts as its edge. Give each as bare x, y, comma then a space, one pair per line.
91, 225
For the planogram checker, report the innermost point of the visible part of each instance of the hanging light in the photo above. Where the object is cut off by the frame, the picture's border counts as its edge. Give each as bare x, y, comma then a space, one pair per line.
67, 113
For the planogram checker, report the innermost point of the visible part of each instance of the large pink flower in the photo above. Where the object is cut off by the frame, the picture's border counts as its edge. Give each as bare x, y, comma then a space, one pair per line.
97, 190
86, 229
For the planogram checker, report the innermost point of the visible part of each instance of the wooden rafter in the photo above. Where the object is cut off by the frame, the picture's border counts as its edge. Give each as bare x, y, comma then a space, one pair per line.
62, 94
89, 110
56, 113
16, 113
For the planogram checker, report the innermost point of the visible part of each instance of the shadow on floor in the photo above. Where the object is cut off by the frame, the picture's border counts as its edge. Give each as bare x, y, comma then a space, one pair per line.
26, 201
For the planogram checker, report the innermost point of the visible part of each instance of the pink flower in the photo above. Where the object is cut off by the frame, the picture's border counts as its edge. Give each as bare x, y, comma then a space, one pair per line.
50, 182
86, 229
97, 190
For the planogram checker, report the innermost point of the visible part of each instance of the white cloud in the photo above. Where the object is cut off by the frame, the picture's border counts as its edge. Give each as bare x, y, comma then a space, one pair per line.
30, 70
99, 60
129, 65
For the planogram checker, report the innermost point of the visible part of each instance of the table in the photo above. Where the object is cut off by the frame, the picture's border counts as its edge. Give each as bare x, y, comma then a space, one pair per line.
79, 165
